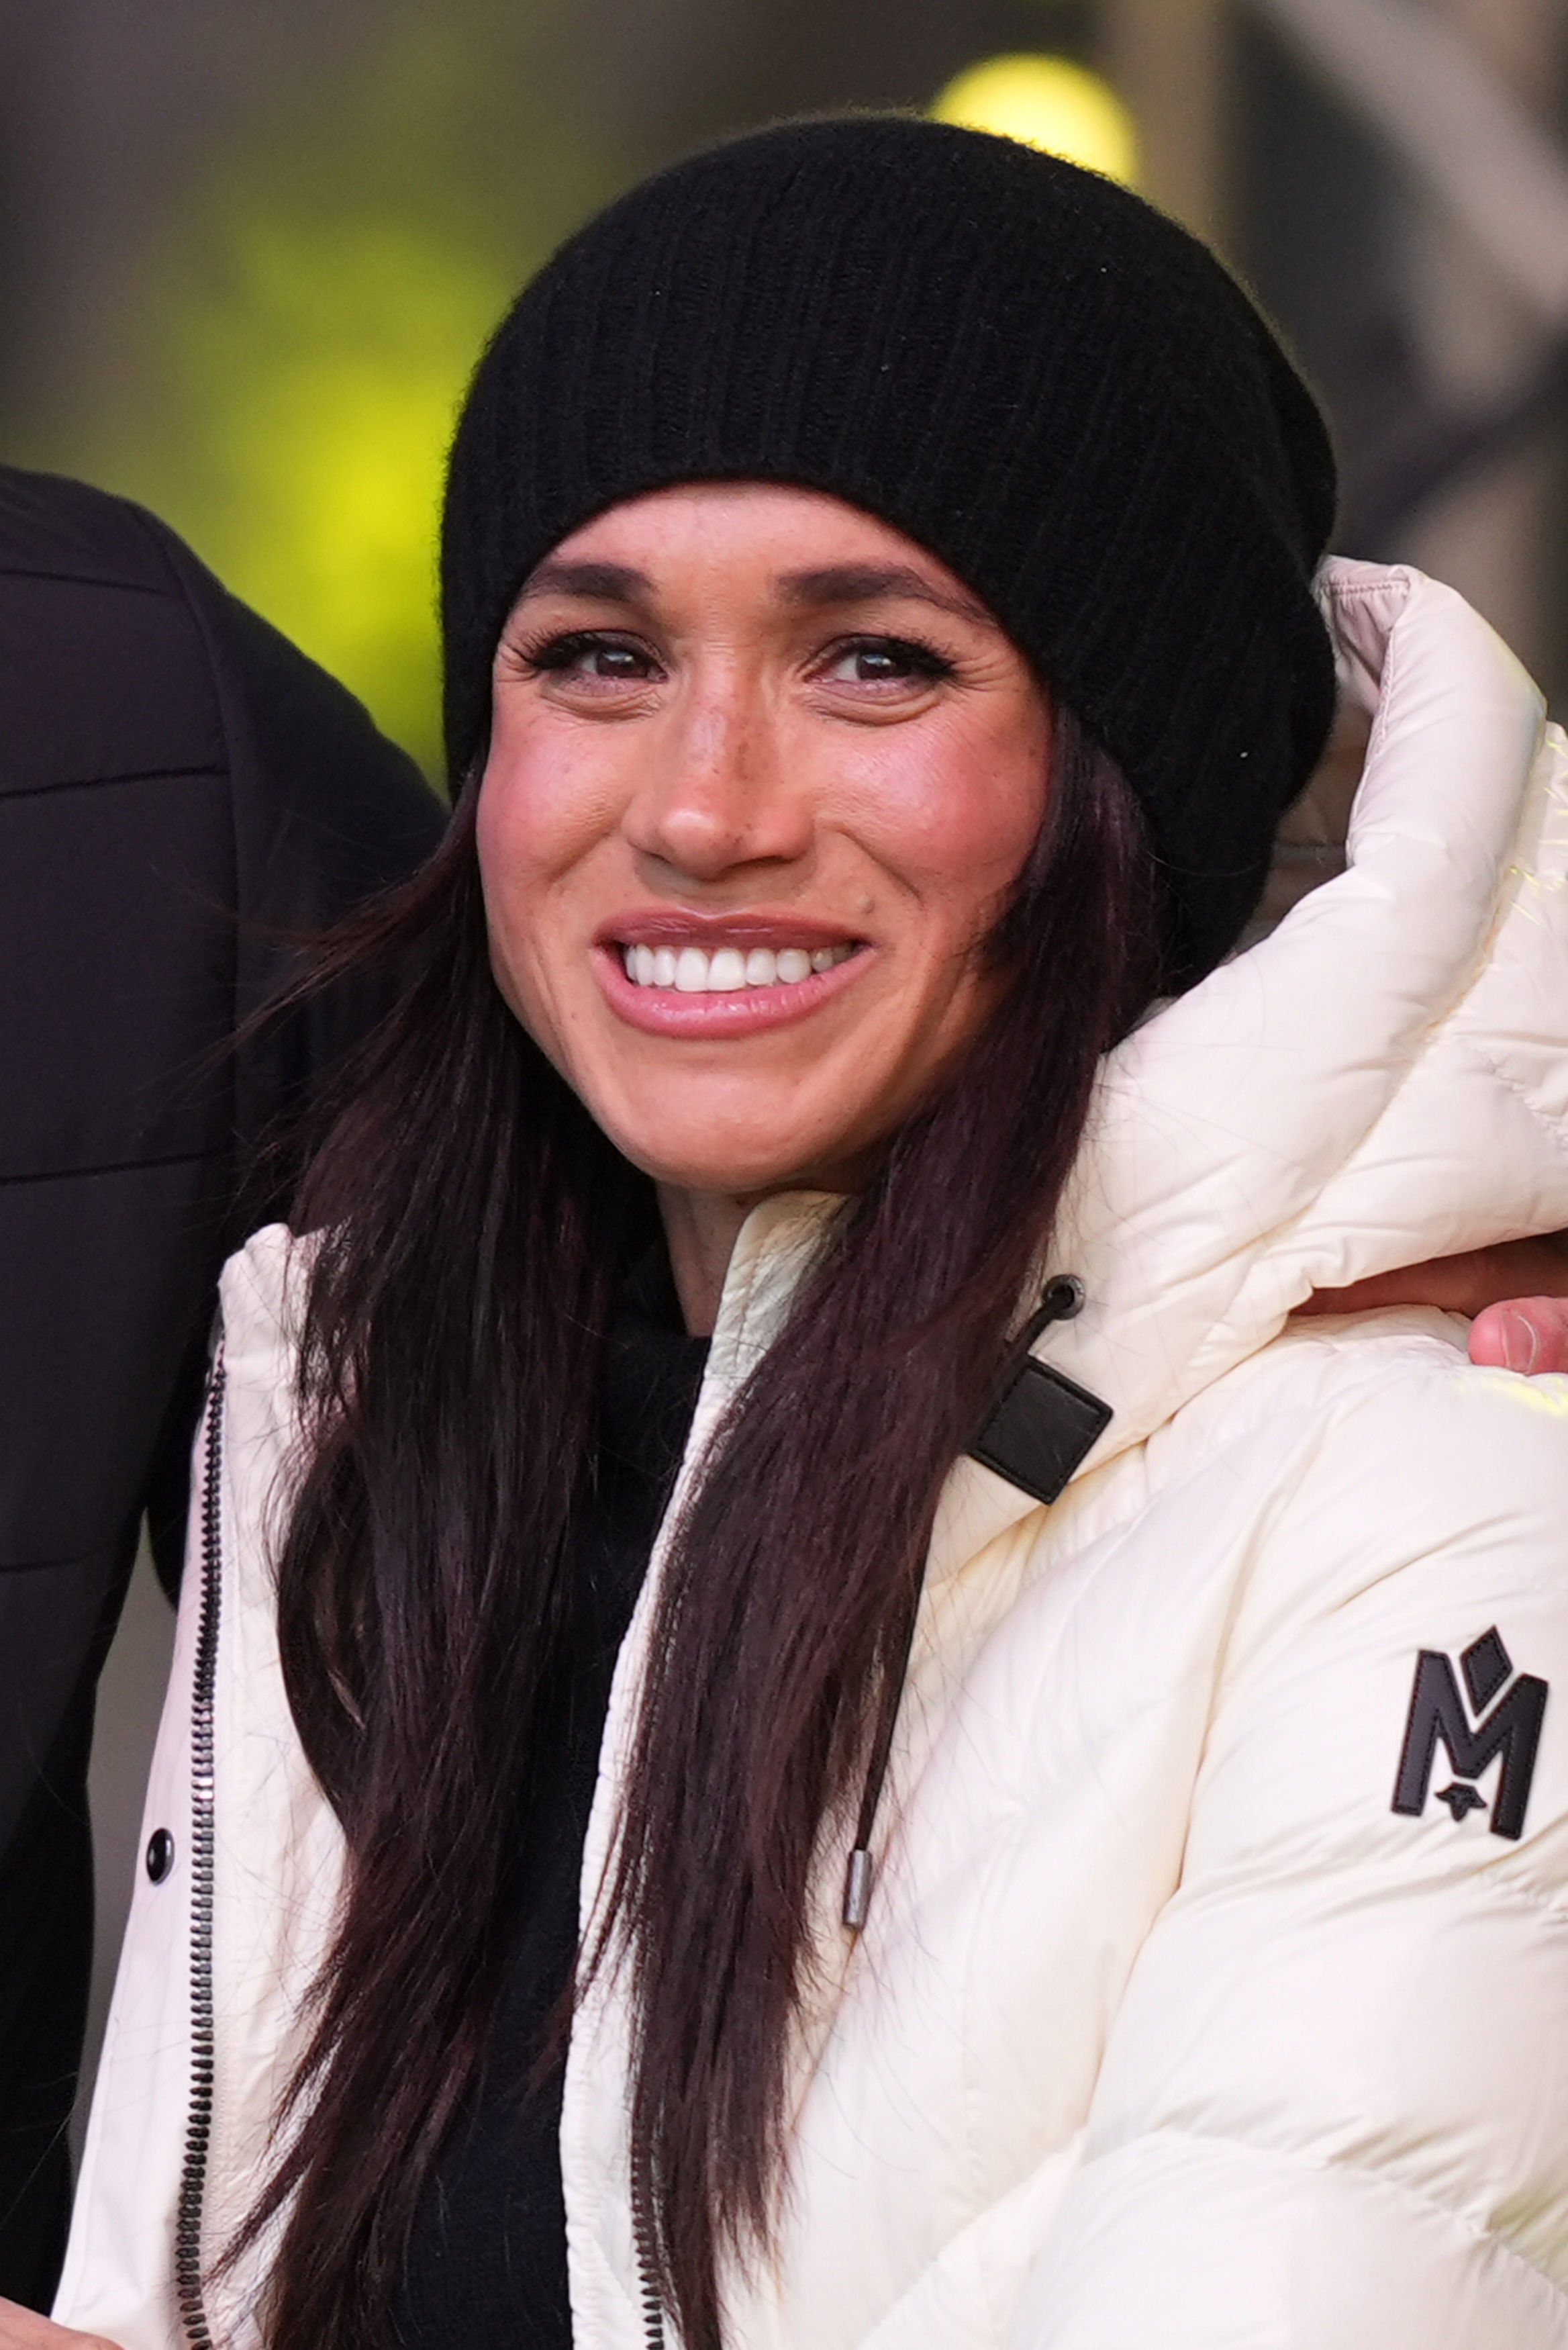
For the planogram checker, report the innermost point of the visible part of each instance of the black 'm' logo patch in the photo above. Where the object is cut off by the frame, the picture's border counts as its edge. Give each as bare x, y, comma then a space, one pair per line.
1438, 1715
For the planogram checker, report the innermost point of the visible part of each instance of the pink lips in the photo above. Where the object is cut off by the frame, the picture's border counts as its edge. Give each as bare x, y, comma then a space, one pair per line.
667, 1011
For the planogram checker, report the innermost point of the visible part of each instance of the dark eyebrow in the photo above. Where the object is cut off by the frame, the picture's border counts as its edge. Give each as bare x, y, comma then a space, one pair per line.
838, 583
605, 583
858, 583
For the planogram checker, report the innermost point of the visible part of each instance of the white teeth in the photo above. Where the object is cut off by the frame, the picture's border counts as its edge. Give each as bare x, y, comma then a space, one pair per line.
726, 971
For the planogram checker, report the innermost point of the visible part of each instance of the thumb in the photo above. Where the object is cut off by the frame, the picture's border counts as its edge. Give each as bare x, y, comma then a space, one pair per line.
1526, 1334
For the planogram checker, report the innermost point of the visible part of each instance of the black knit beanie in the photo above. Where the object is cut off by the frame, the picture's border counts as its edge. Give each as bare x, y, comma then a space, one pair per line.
1028, 370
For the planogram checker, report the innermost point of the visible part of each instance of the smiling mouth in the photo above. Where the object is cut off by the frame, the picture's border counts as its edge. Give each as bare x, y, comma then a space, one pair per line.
727, 971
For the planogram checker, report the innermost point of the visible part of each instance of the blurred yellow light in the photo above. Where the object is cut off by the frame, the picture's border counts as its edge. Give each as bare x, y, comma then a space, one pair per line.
1047, 102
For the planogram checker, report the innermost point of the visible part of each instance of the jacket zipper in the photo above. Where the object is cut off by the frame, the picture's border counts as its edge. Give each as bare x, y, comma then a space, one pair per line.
188, 2284
1063, 1299
643, 2237
188, 2287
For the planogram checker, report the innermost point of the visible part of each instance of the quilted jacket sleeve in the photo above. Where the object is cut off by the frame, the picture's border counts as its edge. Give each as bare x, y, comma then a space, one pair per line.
1334, 2109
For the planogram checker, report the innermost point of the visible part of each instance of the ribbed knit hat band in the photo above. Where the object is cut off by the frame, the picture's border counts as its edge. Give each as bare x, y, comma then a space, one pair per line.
1023, 367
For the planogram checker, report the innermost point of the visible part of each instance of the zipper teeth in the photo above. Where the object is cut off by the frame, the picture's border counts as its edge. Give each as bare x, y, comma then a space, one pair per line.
642, 2231
188, 2282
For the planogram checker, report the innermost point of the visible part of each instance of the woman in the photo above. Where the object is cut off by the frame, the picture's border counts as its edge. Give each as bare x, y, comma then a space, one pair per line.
994, 1878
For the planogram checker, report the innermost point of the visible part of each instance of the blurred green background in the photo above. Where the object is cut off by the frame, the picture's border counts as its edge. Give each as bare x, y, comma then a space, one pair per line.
250, 249
285, 378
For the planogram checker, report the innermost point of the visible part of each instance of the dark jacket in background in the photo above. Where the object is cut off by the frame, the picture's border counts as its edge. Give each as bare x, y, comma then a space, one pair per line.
176, 782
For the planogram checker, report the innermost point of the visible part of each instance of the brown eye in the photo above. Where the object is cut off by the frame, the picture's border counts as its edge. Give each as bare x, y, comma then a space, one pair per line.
586, 654
615, 661
886, 661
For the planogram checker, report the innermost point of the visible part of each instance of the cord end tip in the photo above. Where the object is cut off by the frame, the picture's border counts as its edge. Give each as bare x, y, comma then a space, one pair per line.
857, 1889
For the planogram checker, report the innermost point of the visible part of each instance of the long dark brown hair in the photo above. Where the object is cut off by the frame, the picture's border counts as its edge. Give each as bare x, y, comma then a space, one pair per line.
474, 1225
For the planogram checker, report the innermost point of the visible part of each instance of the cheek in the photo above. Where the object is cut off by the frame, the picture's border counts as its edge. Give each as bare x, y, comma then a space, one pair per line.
540, 808
509, 880
523, 841
954, 816
544, 808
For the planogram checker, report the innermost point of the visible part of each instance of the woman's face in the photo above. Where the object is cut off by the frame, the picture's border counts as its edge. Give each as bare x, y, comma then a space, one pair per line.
762, 773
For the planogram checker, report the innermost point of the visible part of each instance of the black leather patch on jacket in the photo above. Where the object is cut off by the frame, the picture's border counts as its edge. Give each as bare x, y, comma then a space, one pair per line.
1040, 1428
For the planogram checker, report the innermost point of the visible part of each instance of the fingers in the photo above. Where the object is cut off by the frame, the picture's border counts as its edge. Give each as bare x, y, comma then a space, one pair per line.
1517, 1334
1526, 1334
1533, 1270
23, 2329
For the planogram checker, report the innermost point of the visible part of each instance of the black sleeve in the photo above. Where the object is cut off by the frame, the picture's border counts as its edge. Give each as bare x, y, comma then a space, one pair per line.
177, 785
325, 812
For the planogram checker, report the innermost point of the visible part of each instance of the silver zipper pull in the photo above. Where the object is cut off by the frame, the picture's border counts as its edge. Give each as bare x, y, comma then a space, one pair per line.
858, 1888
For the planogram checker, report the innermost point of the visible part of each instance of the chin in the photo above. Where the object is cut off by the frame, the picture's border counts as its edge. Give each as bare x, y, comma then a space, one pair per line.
727, 1175
732, 1166
697, 1140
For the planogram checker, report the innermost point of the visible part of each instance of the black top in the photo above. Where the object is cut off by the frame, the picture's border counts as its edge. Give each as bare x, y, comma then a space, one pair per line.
177, 785
487, 2259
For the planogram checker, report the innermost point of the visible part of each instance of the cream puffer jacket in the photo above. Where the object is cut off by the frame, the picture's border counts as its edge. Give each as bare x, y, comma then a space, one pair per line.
1214, 1995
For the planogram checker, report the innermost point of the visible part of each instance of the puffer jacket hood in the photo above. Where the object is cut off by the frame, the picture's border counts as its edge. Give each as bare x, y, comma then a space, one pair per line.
1382, 1079
1192, 2006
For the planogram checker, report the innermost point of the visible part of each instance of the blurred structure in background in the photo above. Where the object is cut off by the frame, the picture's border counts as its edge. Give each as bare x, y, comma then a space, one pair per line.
1400, 197
249, 248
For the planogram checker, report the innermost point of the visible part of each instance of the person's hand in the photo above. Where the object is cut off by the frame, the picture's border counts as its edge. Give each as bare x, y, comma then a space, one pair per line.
1516, 1293
23, 2329
1524, 1333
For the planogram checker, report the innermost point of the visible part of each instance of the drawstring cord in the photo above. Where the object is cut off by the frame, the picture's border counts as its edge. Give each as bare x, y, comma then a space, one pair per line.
1062, 1299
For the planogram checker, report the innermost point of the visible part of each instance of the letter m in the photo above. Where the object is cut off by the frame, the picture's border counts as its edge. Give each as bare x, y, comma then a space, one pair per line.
1438, 1715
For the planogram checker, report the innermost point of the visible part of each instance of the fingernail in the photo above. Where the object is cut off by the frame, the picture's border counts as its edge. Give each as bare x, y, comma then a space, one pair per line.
1521, 1341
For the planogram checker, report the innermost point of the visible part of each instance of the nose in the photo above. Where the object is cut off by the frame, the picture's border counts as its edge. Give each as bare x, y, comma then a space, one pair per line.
716, 794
